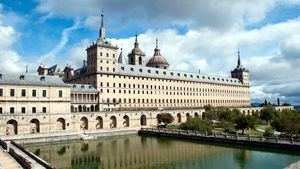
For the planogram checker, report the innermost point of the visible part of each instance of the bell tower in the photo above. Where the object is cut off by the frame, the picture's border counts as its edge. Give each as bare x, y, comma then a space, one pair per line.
102, 55
136, 56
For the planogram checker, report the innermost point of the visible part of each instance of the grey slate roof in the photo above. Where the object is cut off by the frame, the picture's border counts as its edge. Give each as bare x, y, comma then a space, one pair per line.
83, 88
34, 80
133, 70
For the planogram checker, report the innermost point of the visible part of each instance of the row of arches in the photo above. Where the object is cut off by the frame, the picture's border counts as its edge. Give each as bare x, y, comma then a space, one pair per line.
34, 126
84, 108
84, 122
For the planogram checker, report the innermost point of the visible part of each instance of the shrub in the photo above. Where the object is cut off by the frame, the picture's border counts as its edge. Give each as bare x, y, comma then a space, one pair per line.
197, 124
269, 132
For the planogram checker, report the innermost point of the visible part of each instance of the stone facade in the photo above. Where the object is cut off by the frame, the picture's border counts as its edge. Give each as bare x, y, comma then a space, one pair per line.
105, 94
136, 86
32, 103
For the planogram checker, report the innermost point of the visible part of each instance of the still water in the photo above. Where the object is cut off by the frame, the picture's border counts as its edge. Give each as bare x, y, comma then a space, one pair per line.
134, 152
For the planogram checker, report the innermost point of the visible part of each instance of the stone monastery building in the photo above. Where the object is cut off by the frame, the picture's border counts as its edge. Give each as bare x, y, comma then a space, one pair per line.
109, 91
151, 85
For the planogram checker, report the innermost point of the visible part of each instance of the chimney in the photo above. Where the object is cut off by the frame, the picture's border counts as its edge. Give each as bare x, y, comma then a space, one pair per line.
68, 73
84, 63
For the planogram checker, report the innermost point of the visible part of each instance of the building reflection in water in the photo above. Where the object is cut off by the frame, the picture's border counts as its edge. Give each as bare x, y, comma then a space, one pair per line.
131, 152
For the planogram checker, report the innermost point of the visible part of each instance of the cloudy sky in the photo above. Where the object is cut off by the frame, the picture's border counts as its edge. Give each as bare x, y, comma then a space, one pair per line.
193, 35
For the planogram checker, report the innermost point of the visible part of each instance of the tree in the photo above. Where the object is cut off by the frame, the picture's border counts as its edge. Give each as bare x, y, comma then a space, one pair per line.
245, 122
269, 132
229, 115
287, 121
228, 127
241, 123
165, 118
197, 124
268, 113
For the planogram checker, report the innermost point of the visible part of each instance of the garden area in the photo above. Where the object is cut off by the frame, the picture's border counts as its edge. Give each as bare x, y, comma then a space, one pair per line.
267, 123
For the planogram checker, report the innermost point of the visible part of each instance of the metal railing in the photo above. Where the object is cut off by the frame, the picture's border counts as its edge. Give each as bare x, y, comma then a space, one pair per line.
226, 136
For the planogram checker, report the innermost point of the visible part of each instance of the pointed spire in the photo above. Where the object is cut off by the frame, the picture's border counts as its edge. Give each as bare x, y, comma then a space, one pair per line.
239, 60
102, 16
121, 60
156, 50
102, 29
136, 43
26, 71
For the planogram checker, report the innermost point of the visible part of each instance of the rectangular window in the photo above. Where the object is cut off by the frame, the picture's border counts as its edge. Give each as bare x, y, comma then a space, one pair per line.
33, 109
44, 110
23, 110
33, 93
12, 92
44, 93
60, 93
23, 93
1, 111
1, 92
12, 110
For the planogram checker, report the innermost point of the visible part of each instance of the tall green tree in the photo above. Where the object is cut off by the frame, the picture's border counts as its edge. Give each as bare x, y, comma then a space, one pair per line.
165, 118
268, 113
245, 122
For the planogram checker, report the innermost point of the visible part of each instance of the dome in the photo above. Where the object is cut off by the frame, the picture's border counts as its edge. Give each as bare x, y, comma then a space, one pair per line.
157, 60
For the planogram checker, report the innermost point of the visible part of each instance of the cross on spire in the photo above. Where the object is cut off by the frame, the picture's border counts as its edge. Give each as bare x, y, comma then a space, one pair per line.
136, 43
102, 29
239, 60
102, 16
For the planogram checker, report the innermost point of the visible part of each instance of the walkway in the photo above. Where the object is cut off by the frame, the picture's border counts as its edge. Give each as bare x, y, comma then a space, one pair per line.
34, 163
7, 162
268, 142
294, 166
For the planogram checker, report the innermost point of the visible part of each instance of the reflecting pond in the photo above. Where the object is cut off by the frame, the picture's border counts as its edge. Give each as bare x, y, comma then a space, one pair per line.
134, 152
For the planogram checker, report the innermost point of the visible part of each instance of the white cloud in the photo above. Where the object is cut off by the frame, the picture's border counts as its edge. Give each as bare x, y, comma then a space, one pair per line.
214, 14
11, 62
48, 57
215, 32
76, 54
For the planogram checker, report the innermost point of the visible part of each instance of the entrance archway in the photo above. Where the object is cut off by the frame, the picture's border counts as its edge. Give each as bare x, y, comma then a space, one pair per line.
178, 118
143, 120
126, 121
187, 115
12, 127
196, 115
113, 122
84, 123
61, 124
99, 123
34, 126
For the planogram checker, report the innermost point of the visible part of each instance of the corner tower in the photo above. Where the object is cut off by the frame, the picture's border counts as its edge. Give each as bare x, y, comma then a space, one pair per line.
240, 72
136, 56
101, 55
